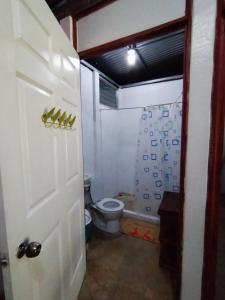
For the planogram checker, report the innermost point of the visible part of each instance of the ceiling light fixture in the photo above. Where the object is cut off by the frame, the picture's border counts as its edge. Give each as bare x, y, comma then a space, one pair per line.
131, 56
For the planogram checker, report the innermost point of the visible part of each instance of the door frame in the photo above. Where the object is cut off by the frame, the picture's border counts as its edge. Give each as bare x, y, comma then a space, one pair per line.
184, 23
165, 28
215, 158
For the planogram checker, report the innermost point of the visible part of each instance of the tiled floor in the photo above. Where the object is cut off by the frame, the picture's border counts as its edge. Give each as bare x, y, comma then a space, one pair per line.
124, 268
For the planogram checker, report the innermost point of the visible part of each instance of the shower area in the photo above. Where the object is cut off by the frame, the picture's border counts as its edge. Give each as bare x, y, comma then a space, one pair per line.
158, 155
140, 146
132, 116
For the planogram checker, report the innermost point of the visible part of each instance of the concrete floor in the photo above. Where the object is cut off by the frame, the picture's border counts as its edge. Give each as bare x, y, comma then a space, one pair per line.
124, 268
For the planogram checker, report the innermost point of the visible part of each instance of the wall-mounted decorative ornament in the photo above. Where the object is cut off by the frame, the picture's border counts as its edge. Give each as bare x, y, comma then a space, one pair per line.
58, 119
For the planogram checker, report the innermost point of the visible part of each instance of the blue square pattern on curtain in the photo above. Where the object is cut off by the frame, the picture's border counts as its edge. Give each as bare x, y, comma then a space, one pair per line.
158, 156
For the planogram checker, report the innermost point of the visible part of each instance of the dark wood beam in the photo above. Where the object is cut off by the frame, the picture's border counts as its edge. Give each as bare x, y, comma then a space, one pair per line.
75, 34
136, 37
223, 8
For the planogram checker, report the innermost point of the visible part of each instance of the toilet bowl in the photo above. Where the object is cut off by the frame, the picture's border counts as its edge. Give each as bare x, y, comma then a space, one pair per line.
106, 214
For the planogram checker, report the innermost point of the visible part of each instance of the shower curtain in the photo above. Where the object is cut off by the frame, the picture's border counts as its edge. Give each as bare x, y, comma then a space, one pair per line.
158, 156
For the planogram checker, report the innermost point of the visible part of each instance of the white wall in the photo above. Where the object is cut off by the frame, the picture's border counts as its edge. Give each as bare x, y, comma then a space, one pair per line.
110, 151
91, 126
129, 125
203, 35
156, 93
67, 26
125, 17
87, 102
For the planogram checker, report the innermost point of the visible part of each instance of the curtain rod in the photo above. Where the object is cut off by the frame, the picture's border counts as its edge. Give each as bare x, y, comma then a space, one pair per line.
145, 107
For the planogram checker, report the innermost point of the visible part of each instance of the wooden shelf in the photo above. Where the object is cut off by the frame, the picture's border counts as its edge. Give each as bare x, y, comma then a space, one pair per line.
168, 237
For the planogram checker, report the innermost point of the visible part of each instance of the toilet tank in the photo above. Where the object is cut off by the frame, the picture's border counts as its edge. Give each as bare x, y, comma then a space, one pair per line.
87, 190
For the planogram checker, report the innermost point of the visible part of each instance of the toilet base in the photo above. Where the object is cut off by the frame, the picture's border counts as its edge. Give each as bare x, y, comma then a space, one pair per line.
106, 235
109, 226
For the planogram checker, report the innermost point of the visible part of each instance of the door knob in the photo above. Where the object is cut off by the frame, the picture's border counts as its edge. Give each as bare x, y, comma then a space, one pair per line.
33, 249
30, 249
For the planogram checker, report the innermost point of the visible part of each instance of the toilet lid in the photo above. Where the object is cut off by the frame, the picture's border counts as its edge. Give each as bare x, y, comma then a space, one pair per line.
109, 204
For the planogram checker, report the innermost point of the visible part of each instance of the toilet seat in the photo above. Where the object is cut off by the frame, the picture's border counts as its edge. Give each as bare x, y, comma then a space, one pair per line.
110, 205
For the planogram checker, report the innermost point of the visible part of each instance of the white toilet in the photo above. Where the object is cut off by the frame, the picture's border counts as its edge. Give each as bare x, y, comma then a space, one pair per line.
105, 212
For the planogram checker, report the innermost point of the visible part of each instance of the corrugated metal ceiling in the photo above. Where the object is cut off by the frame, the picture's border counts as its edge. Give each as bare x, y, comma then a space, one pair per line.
155, 58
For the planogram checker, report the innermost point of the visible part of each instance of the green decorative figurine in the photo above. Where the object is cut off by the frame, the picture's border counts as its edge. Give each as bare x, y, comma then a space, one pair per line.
58, 120
47, 115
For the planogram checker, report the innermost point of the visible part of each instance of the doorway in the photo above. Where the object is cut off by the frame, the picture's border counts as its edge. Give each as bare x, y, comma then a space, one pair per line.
185, 65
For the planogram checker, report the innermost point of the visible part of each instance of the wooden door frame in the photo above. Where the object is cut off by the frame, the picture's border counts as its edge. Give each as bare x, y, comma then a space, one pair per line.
215, 158
184, 23
165, 28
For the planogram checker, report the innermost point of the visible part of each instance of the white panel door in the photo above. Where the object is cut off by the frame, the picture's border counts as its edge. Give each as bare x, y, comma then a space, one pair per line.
41, 168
